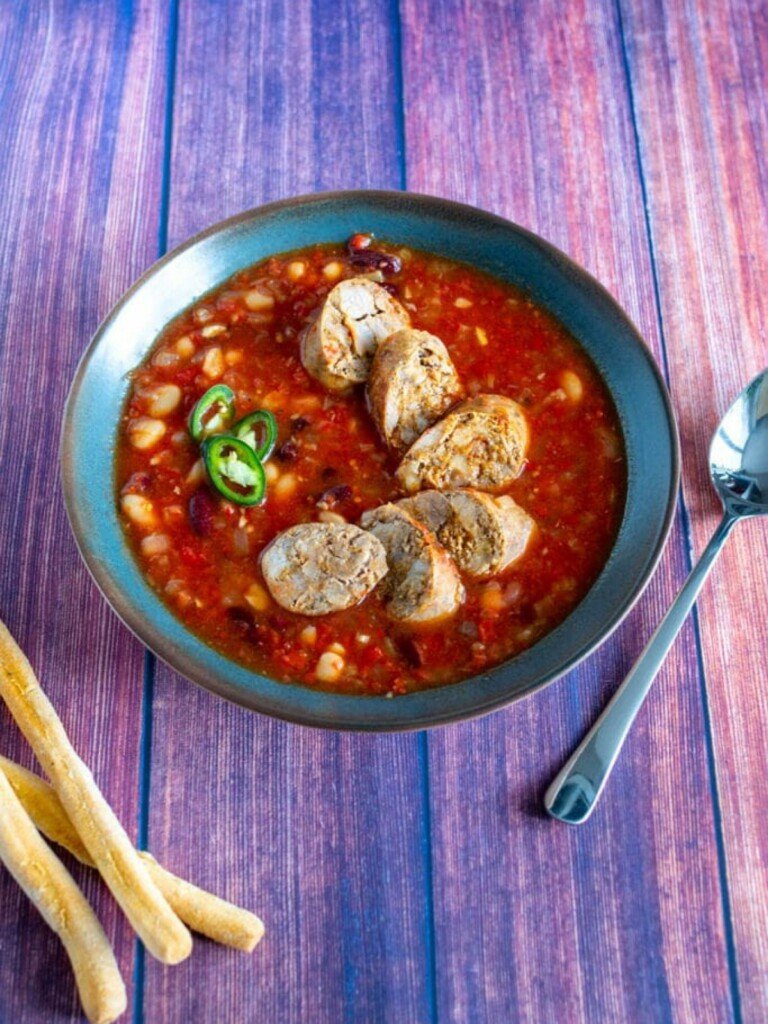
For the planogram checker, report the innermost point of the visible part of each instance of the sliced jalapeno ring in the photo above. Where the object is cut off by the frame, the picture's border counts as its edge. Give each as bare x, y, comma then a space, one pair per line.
234, 469
259, 431
213, 413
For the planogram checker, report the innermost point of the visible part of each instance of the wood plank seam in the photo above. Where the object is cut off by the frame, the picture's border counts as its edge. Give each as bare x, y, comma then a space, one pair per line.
688, 536
148, 685
423, 741
429, 898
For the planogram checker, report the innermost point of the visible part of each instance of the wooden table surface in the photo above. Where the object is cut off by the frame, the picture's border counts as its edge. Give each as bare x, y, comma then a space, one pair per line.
406, 878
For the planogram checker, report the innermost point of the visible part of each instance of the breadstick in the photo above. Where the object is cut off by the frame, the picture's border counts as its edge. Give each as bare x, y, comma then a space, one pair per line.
205, 913
54, 892
102, 834
202, 911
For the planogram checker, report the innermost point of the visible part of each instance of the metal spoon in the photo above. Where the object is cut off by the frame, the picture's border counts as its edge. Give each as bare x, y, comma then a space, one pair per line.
738, 463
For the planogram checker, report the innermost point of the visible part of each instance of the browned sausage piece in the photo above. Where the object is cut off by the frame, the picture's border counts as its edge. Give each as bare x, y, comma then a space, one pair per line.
412, 383
423, 584
480, 443
337, 348
484, 535
316, 568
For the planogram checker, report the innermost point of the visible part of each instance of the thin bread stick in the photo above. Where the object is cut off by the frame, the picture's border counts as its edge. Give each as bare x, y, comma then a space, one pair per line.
205, 913
200, 910
103, 836
54, 892
40, 802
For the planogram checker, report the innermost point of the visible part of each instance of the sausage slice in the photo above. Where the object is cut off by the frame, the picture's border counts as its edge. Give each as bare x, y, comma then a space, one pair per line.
423, 584
337, 348
316, 568
481, 443
484, 535
412, 383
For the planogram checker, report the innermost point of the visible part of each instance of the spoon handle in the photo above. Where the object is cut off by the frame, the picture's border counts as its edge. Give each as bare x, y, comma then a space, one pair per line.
574, 792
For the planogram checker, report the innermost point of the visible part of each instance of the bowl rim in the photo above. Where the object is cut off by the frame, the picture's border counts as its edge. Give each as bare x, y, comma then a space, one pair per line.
343, 711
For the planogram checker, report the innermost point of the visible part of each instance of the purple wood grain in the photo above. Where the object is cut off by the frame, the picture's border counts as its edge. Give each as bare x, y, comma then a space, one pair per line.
707, 185
322, 834
82, 93
527, 113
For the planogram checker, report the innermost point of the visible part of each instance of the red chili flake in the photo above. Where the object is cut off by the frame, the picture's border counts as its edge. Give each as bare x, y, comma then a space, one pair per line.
357, 242
298, 424
370, 655
193, 558
186, 376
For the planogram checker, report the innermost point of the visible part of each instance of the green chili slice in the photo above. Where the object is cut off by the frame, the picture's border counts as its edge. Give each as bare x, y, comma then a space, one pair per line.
259, 431
213, 413
234, 469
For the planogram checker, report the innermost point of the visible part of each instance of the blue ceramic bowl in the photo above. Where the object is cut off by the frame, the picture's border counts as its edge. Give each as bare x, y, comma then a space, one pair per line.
462, 233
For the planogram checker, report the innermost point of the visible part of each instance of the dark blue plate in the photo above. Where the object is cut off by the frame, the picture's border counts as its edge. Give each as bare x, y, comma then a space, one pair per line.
463, 233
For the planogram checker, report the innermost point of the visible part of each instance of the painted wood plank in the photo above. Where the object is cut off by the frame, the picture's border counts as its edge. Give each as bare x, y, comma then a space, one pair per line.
82, 92
527, 113
699, 77
323, 834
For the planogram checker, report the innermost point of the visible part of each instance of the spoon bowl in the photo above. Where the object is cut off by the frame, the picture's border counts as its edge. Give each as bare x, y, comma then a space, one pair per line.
738, 455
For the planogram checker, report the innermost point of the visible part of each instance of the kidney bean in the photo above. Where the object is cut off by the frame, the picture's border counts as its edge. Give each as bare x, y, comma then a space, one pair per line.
334, 496
287, 451
409, 650
201, 509
373, 259
137, 483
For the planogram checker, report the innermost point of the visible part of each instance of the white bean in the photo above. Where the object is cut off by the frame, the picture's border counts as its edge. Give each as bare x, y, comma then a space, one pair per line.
155, 544
258, 301
165, 358
163, 399
257, 597
571, 385
308, 636
332, 271
139, 510
145, 432
285, 485
185, 346
196, 475
213, 364
329, 667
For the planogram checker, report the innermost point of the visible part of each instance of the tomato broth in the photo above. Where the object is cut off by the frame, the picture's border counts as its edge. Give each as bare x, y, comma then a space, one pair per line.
201, 553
